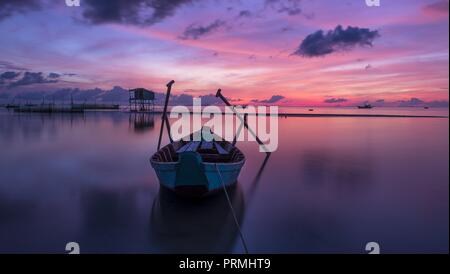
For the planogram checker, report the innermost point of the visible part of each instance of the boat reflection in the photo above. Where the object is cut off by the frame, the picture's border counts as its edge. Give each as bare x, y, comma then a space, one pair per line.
255, 182
195, 226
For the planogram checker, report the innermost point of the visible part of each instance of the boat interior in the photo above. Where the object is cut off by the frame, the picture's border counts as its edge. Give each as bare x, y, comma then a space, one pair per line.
210, 151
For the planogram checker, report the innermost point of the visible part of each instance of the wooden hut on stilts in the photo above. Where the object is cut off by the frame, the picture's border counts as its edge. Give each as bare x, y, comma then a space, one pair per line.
141, 99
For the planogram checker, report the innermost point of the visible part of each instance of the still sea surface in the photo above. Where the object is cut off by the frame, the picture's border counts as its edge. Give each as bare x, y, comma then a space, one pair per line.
333, 185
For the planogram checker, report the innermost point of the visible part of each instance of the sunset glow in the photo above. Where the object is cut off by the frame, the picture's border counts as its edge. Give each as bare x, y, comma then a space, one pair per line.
247, 48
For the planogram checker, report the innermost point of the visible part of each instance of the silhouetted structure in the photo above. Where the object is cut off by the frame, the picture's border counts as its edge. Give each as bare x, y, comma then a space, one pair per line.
141, 99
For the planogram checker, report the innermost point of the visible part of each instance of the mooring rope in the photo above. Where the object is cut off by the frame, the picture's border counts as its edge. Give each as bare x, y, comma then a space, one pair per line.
232, 210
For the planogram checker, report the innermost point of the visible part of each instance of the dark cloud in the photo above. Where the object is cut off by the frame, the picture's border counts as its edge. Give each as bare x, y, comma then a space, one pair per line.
290, 11
377, 103
440, 6
135, 12
116, 94
30, 78
438, 104
10, 66
310, 16
209, 99
290, 7
415, 101
335, 100
272, 100
245, 13
53, 75
235, 99
320, 43
10, 7
9, 75
412, 102
195, 31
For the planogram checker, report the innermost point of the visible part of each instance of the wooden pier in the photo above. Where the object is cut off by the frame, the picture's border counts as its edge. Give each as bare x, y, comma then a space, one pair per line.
96, 106
49, 108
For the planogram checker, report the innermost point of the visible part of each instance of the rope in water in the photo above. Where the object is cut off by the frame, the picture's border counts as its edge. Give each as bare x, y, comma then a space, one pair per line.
232, 210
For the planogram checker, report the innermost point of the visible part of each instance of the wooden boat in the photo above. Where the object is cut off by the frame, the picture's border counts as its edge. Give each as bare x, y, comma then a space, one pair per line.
198, 168
204, 164
365, 106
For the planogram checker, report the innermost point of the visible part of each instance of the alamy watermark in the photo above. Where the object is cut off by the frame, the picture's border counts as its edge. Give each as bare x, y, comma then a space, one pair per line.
373, 248
227, 124
373, 3
73, 248
72, 3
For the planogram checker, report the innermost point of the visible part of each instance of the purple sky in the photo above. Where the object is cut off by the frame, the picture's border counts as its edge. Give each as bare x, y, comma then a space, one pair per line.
289, 52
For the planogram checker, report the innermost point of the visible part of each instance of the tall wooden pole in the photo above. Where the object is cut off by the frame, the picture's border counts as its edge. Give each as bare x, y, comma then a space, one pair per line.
243, 120
163, 121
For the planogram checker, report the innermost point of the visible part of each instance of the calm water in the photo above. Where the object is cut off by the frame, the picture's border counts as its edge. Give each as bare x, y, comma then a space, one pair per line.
333, 185
411, 111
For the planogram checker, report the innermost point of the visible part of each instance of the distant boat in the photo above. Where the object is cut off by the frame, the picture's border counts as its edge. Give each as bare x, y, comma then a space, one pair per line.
310, 109
197, 168
365, 106
426, 107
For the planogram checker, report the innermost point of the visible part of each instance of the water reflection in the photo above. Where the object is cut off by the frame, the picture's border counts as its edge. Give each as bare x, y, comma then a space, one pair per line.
333, 185
141, 122
104, 209
346, 171
192, 226
260, 171
34, 126
107, 214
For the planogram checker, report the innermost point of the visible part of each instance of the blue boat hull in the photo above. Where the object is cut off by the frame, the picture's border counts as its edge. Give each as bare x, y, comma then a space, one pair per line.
188, 172
229, 172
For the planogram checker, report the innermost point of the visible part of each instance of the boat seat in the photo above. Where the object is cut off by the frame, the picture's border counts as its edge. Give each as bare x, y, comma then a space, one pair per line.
183, 148
190, 171
206, 145
220, 149
228, 147
194, 146
191, 146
